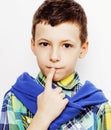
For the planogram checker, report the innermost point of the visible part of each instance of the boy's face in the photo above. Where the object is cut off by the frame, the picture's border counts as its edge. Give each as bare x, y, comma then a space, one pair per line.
58, 47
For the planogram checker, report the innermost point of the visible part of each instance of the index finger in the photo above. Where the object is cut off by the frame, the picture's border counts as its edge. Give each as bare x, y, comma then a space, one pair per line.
50, 75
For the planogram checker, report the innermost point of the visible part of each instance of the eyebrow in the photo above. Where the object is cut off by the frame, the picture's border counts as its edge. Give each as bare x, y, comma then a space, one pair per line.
68, 41
43, 39
62, 41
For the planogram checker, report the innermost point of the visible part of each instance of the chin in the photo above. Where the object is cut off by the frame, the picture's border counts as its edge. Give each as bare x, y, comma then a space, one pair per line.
57, 78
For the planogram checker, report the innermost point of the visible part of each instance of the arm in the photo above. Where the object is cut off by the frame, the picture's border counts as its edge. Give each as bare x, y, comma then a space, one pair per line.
39, 122
104, 120
107, 117
50, 104
9, 114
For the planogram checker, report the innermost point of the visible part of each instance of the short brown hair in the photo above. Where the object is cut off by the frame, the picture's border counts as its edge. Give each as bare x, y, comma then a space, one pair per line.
55, 12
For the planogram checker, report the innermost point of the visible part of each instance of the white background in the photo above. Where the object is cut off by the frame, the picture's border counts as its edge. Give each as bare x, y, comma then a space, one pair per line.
15, 34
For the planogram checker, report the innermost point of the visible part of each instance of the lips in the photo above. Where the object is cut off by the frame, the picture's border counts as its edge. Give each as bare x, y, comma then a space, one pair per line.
56, 68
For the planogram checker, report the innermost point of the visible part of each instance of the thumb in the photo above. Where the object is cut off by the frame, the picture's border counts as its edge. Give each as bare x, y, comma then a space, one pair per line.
50, 75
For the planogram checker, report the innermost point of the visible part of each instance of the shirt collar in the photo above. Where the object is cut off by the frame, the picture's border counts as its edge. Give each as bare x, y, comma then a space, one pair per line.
67, 83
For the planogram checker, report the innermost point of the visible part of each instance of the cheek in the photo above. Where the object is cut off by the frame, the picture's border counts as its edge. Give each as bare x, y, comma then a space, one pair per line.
40, 60
71, 56
40, 56
71, 60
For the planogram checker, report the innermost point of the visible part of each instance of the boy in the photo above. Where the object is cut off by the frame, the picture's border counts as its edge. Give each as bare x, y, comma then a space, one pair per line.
56, 99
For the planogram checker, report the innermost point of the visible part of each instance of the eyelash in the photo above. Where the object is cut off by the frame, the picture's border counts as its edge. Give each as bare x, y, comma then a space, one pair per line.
43, 44
66, 45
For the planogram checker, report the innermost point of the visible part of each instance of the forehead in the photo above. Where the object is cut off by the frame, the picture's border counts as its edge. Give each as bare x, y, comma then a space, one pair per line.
64, 25
65, 31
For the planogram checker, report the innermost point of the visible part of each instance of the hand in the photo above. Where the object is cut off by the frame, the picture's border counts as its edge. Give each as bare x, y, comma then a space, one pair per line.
52, 101
50, 105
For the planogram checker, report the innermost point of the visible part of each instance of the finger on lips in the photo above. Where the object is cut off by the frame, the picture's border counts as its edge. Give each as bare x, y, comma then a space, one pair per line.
50, 75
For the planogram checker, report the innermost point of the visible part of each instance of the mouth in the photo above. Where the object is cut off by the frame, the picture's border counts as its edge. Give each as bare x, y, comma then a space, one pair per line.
56, 68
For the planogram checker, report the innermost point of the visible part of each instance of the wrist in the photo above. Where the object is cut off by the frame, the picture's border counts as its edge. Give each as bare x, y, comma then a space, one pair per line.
43, 119
39, 122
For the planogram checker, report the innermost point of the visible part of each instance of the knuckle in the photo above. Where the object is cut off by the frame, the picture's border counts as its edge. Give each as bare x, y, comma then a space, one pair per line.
59, 89
66, 100
63, 95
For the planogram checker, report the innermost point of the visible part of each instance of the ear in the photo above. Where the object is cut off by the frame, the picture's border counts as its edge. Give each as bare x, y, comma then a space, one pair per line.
33, 46
84, 49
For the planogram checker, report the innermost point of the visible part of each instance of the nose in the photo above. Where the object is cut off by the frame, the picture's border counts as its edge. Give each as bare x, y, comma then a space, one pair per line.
55, 55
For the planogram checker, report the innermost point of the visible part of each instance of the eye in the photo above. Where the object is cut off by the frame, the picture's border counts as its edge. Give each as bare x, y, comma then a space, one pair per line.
67, 45
44, 44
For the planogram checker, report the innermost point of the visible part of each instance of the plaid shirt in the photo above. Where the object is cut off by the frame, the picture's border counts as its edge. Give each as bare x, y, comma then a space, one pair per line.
15, 116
